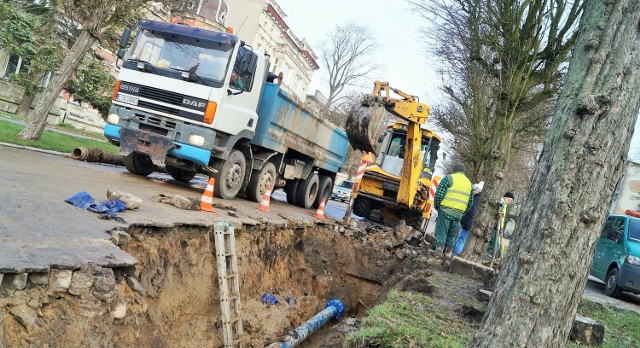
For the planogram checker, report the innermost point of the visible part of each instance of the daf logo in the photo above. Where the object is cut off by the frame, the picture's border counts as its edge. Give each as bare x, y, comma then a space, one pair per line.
193, 103
132, 89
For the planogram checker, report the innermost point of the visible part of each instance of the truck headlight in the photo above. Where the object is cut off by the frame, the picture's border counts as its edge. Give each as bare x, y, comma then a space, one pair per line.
197, 140
634, 260
113, 118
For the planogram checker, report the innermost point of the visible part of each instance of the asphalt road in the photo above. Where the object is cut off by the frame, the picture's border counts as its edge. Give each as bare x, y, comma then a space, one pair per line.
38, 230
594, 291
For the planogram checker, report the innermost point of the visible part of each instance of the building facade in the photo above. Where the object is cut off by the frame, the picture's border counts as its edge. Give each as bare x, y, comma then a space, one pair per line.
262, 25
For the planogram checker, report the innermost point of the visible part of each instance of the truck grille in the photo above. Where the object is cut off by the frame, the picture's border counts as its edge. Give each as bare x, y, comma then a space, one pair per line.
166, 97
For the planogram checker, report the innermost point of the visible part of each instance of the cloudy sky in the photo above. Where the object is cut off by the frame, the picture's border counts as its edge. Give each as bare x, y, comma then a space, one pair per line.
405, 65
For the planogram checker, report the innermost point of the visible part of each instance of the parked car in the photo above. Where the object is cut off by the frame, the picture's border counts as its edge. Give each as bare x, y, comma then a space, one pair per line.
616, 260
342, 191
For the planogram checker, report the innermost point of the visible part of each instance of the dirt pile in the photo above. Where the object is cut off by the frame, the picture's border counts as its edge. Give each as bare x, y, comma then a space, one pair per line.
171, 297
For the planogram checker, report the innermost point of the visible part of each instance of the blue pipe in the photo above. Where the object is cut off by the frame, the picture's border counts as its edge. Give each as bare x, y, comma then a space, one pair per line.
333, 309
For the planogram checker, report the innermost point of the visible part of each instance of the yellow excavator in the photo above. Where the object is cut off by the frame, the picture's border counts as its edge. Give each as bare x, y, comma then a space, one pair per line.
396, 185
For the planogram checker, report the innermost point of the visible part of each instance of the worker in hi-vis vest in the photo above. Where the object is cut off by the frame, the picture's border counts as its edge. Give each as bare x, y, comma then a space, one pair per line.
453, 199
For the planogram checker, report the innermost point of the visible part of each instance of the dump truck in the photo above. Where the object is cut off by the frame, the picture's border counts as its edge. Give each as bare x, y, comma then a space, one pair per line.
193, 101
396, 186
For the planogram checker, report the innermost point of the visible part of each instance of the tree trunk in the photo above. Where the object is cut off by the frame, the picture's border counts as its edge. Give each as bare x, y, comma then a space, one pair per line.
25, 104
494, 172
542, 281
72, 59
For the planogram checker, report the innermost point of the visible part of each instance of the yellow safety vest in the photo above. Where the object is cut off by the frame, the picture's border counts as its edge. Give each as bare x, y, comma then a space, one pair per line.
457, 196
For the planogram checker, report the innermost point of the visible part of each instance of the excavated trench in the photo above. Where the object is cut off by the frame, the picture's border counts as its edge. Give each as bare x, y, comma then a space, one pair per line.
171, 298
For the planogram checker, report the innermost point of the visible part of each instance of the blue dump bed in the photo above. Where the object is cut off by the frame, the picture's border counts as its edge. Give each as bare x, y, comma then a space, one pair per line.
283, 125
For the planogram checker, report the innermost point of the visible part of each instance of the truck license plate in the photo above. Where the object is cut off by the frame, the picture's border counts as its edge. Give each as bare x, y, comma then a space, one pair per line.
127, 99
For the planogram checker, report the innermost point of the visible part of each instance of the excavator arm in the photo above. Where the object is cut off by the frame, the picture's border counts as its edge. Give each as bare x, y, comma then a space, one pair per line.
363, 123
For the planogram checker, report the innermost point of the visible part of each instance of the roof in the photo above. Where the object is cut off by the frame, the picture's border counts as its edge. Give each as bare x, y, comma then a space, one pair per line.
185, 30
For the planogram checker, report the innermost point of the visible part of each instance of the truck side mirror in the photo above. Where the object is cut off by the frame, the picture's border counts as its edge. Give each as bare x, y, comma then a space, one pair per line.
124, 39
121, 53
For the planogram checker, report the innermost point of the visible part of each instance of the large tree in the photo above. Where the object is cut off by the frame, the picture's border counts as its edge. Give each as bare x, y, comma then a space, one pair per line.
92, 83
347, 57
504, 64
30, 34
541, 283
91, 19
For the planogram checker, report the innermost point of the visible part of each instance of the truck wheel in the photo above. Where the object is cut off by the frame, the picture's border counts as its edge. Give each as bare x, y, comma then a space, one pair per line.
611, 287
230, 175
307, 191
139, 164
292, 188
362, 207
260, 180
324, 191
180, 174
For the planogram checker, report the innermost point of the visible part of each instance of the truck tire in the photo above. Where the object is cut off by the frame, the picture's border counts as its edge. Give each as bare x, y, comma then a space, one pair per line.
325, 186
138, 164
362, 207
180, 174
260, 181
230, 175
307, 191
291, 189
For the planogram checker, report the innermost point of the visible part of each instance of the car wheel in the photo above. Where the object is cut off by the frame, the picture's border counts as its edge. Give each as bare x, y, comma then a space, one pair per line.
611, 287
139, 164
260, 181
230, 175
180, 174
307, 191
324, 192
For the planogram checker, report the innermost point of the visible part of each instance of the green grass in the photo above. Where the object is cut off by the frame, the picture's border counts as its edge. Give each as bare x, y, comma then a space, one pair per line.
622, 328
408, 319
51, 140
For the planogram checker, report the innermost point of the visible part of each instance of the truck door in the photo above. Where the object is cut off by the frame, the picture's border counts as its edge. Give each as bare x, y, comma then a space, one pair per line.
238, 110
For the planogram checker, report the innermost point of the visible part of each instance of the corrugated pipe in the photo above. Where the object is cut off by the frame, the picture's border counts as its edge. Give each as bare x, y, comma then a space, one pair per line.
333, 310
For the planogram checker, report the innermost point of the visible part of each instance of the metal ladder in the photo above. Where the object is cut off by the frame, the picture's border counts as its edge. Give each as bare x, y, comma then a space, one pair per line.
225, 243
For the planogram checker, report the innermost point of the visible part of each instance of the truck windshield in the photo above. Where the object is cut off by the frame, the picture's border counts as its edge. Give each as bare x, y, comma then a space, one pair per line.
170, 55
634, 230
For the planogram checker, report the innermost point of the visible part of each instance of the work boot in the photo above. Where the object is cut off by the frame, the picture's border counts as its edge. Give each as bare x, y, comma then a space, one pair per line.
448, 254
439, 250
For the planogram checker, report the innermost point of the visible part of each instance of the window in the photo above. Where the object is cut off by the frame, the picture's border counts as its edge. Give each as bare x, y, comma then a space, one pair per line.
634, 230
614, 229
244, 70
170, 55
13, 65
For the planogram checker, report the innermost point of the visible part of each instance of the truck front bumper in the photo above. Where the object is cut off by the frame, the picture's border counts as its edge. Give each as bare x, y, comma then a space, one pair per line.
630, 278
179, 150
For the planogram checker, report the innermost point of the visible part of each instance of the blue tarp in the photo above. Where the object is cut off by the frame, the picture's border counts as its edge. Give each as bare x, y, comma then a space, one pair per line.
84, 201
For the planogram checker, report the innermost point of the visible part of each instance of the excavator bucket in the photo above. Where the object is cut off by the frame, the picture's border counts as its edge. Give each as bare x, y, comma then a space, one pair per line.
362, 125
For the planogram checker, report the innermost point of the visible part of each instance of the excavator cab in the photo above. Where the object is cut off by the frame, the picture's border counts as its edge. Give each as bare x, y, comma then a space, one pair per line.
391, 151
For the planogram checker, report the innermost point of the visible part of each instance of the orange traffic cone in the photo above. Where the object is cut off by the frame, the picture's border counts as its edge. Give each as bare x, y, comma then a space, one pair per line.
319, 214
266, 199
206, 202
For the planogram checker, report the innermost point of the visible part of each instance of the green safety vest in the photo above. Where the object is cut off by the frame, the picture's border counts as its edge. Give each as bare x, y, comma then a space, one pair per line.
457, 196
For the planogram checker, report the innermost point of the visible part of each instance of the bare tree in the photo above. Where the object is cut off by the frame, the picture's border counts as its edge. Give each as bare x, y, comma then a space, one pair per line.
503, 60
347, 57
90, 19
541, 283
